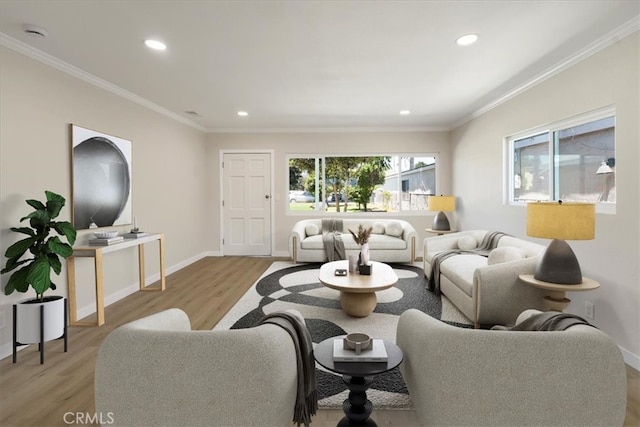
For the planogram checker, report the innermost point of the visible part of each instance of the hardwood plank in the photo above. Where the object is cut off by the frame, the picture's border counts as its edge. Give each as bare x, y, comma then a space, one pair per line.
39, 395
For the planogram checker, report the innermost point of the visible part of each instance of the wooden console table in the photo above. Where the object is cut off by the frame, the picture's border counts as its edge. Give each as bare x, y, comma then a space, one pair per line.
96, 252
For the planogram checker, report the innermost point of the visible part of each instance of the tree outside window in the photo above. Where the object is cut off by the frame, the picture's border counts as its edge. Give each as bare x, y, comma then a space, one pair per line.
363, 184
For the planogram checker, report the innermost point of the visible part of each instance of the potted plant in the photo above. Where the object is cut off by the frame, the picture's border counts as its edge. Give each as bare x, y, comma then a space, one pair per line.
31, 261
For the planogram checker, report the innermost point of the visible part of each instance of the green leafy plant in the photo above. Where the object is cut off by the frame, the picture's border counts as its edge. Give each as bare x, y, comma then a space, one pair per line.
43, 247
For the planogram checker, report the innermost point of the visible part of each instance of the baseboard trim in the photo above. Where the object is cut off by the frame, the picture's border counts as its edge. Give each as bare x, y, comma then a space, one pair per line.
133, 288
6, 350
630, 359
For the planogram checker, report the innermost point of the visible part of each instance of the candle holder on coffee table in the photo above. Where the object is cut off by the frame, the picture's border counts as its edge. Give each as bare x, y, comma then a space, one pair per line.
358, 377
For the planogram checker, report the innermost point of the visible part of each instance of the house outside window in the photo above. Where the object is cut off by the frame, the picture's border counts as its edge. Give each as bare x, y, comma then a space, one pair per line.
569, 160
347, 184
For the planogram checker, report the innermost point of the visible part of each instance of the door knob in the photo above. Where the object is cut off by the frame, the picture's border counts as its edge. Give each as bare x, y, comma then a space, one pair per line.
266, 196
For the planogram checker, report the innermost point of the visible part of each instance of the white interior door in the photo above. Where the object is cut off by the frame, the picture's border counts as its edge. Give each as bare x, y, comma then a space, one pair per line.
246, 204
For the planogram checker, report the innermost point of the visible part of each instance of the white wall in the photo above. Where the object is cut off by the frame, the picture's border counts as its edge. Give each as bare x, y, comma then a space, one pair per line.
169, 194
355, 143
609, 77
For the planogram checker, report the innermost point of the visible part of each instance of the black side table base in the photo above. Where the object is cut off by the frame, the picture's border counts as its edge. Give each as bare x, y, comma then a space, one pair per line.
346, 422
357, 408
357, 376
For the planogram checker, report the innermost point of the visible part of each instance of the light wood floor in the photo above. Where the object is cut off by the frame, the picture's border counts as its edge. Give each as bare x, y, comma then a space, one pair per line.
39, 395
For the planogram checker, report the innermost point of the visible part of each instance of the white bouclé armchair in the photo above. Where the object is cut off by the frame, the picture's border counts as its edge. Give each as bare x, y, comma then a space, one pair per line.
471, 377
156, 371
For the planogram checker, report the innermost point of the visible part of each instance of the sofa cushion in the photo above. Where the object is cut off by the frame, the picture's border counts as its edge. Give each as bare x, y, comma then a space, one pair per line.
376, 242
393, 228
460, 268
312, 242
504, 254
312, 230
466, 243
381, 241
377, 228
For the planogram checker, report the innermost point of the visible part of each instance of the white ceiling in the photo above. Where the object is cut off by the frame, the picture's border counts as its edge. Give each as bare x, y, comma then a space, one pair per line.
316, 65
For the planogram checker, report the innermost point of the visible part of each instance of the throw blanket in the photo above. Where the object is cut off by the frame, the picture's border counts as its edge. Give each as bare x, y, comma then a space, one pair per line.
332, 239
306, 399
547, 321
489, 242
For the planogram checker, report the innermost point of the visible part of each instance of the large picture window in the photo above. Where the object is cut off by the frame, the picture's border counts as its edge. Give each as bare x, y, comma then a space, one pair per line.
393, 183
571, 160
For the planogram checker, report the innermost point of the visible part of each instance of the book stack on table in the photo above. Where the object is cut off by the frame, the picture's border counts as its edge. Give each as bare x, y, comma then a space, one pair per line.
106, 242
378, 353
135, 235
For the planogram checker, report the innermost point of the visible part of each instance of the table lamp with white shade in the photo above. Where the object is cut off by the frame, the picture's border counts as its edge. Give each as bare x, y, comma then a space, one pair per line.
560, 221
441, 204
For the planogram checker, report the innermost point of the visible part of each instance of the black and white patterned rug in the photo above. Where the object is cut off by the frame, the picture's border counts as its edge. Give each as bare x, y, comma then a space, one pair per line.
285, 285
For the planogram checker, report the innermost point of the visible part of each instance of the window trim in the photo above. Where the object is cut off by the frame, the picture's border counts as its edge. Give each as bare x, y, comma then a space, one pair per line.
312, 212
550, 128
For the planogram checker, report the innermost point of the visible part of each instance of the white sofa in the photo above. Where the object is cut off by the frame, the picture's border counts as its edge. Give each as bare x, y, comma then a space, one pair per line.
156, 371
392, 240
467, 377
486, 289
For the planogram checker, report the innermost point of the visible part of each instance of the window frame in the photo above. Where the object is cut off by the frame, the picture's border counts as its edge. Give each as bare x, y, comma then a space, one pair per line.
322, 165
550, 130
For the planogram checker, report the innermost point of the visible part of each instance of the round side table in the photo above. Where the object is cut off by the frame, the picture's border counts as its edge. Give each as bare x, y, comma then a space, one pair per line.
556, 299
439, 232
358, 377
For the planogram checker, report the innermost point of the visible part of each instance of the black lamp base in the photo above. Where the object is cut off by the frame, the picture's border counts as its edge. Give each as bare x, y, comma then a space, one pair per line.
558, 264
441, 222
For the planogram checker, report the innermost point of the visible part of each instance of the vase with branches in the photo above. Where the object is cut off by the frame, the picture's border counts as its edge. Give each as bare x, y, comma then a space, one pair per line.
362, 238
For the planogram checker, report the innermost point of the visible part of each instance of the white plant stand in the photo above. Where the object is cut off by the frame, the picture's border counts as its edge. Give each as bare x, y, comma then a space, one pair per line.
38, 333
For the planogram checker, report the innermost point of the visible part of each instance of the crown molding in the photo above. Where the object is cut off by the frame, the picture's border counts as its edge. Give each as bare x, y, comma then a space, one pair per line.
52, 61
355, 129
602, 43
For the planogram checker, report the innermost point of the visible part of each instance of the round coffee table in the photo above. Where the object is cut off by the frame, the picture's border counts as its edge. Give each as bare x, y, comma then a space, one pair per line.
358, 291
358, 377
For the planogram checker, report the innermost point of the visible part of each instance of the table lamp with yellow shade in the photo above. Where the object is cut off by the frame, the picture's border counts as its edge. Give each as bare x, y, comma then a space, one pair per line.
560, 221
441, 204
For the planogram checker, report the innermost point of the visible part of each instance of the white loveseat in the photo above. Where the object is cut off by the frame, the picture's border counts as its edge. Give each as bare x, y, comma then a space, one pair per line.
392, 240
468, 377
156, 371
486, 289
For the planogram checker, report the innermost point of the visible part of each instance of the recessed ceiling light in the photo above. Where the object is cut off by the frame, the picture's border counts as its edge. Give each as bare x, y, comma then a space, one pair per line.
243, 113
467, 39
155, 44
405, 112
